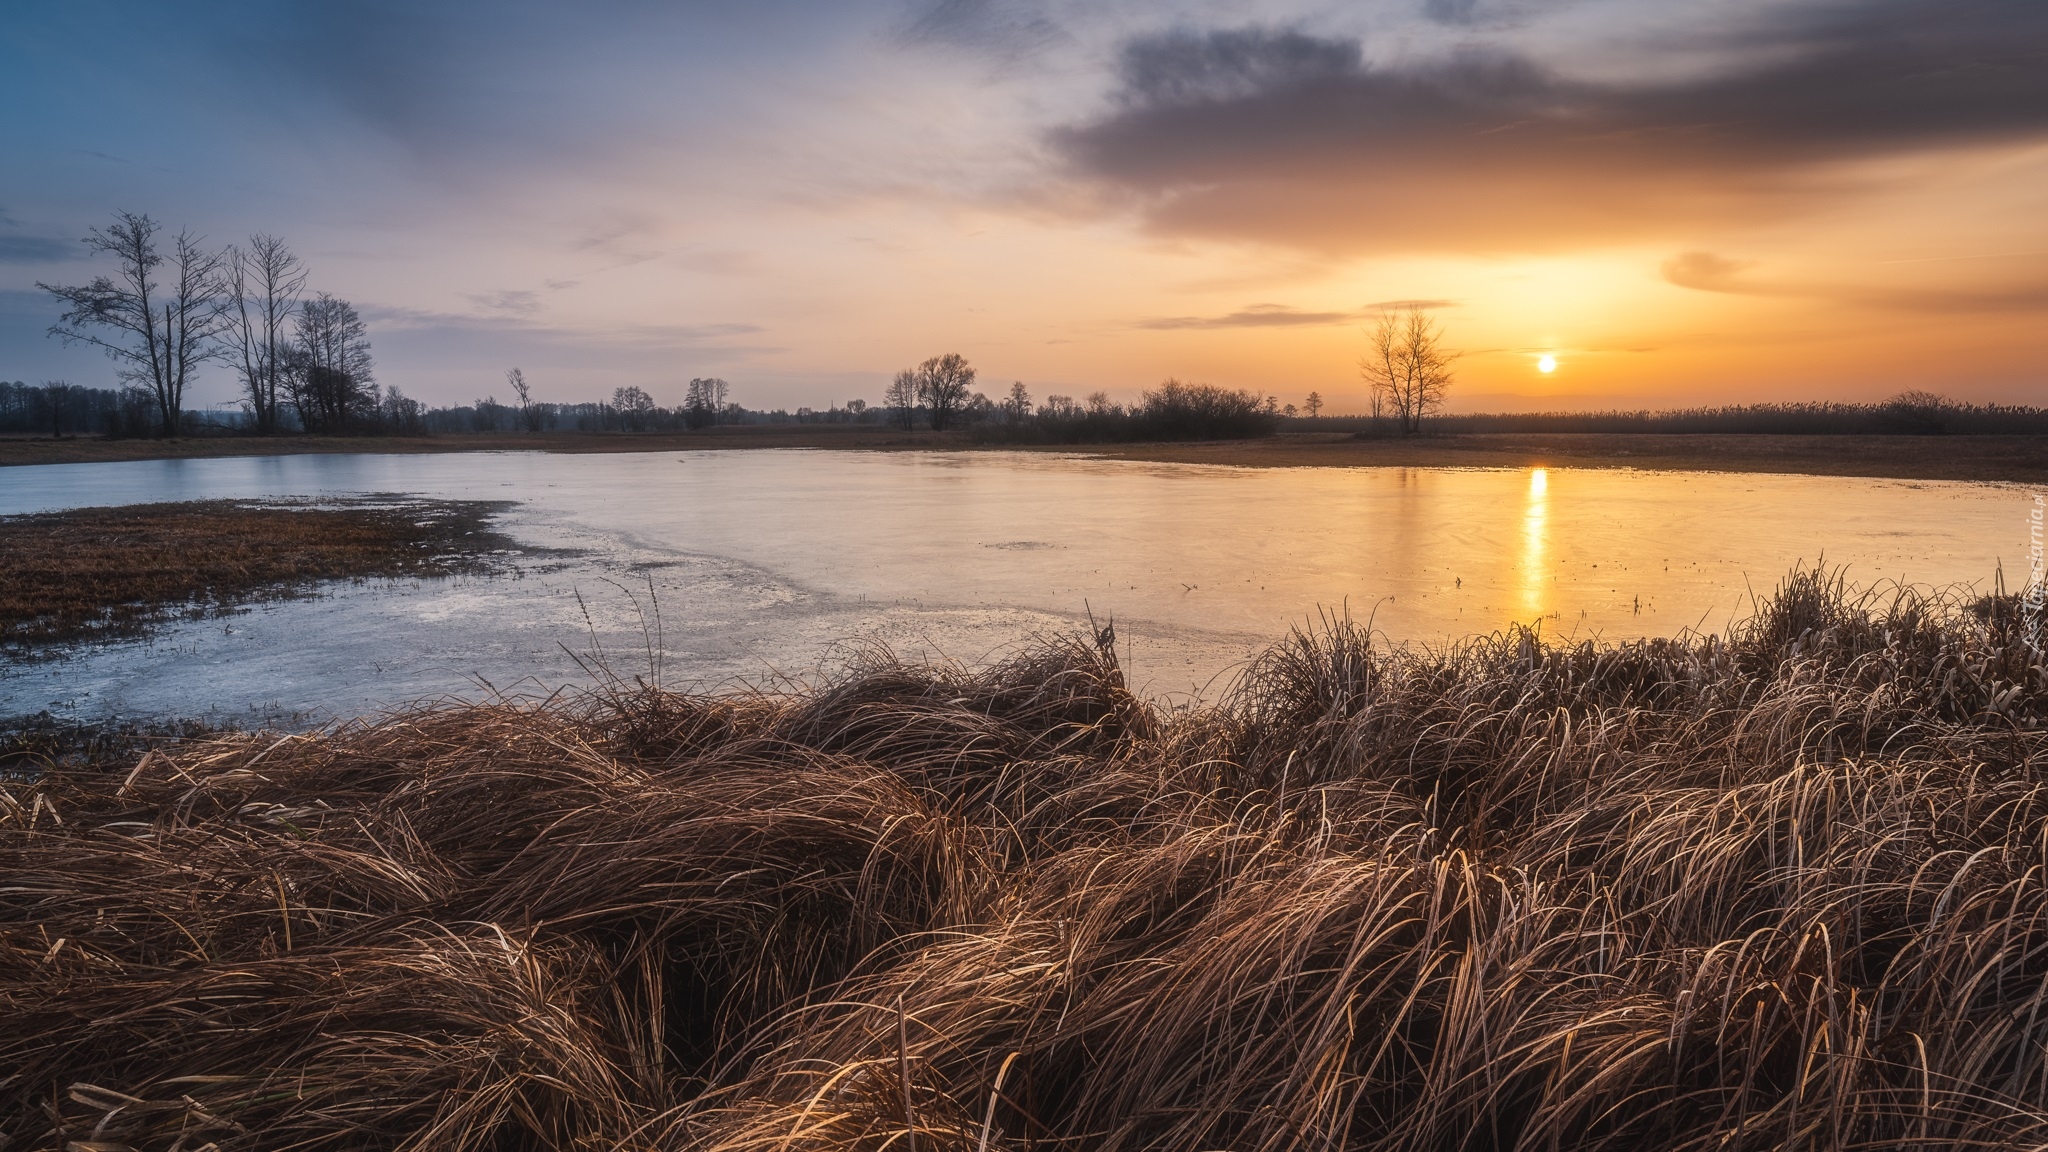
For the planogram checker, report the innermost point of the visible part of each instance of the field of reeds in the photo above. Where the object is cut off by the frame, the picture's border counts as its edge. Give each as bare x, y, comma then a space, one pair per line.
1784, 888
96, 573
1907, 414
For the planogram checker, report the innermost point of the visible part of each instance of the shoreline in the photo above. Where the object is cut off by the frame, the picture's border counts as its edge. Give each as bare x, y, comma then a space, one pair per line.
2014, 459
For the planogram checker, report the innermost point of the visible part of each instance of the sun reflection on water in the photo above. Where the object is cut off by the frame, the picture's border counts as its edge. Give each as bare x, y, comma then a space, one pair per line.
1535, 546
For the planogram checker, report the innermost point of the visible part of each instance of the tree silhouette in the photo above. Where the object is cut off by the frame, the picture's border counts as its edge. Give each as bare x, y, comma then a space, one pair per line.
1407, 366
942, 385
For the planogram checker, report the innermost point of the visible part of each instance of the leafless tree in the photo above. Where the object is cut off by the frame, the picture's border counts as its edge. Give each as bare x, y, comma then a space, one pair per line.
942, 384
402, 414
264, 281
1407, 367
529, 412
158, 339
1313, 405
704, 400
1018, 406
634, 406
1058, 407
901, 397
331, 382
56, 397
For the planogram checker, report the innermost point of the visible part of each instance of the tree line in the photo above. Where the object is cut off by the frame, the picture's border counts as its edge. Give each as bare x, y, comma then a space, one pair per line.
303, 363
1911, 413
58, 409
171, 305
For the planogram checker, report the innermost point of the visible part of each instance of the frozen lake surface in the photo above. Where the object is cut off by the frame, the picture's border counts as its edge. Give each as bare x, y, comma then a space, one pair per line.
780, 563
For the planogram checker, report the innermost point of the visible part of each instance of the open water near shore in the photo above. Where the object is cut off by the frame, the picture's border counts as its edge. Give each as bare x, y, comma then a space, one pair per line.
718, 567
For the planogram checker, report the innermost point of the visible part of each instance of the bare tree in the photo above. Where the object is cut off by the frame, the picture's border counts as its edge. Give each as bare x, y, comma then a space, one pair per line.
1313, 405
159, 340
942, 386
634, 405
901, 396
57, 396
264, 282
704, 400
529, 412
1407, 366
402, 414
331, 382
1018, 406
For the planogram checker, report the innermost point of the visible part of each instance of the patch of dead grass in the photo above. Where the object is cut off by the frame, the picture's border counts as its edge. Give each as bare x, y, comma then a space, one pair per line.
94, 573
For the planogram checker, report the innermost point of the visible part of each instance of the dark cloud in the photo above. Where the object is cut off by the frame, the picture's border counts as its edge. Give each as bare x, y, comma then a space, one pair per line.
1282, 136
1184, 69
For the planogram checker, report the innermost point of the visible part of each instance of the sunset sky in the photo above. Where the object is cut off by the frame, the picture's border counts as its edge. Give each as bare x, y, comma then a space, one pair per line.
1681, 203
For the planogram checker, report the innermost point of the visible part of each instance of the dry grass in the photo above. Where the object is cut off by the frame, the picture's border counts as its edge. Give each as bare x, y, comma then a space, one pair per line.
1783, 889
90, 573
1970, 458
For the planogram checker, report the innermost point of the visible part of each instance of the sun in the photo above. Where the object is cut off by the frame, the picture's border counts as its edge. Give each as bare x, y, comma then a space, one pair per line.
1547, 364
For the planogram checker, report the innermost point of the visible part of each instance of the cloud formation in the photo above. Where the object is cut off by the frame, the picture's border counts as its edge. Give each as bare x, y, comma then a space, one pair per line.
1282, 316
1710, 272
1005, 29
18, 249
1256, 316
1280, 136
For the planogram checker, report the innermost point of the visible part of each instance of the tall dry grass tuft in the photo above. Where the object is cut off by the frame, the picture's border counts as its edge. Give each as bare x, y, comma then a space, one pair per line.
1784, 888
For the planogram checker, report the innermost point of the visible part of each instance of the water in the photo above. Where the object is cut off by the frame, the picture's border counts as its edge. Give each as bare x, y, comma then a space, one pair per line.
765, 564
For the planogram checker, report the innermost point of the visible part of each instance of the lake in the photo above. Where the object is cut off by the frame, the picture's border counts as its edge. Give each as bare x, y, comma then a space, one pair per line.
752, 566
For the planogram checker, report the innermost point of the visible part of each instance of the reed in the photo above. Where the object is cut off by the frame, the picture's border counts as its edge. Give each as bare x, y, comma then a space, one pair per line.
1781, 888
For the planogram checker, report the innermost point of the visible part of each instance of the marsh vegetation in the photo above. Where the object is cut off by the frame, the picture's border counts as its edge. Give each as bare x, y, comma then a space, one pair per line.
96, 573
1781, 888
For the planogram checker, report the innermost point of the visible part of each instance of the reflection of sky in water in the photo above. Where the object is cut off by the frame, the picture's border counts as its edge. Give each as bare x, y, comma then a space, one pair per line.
761, 561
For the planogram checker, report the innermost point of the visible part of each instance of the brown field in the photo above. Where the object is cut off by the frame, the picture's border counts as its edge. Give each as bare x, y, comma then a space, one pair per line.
98, 572
1781, 889
2009, 458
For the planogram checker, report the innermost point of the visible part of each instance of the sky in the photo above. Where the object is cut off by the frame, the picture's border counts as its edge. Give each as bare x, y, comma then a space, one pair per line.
1722, 201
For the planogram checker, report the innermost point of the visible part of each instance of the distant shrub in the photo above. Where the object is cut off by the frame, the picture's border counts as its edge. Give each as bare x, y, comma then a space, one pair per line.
1172, 411
1909, 413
